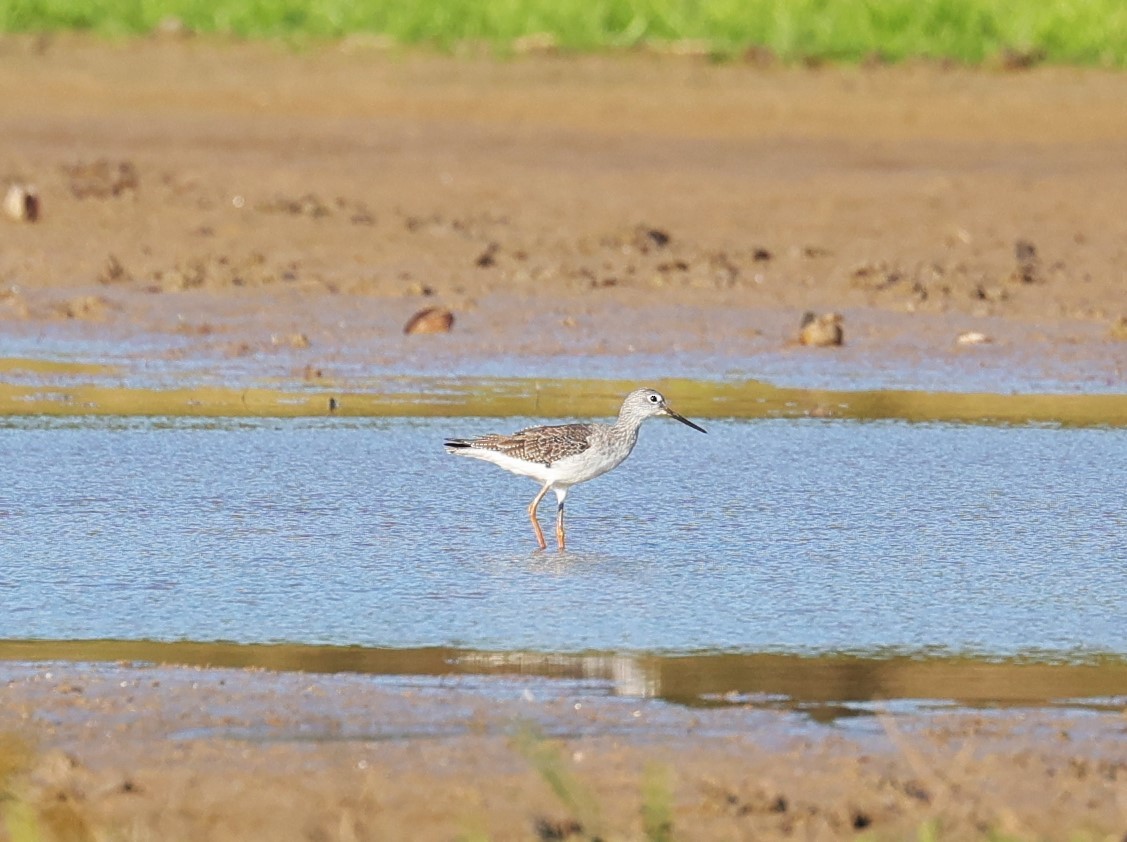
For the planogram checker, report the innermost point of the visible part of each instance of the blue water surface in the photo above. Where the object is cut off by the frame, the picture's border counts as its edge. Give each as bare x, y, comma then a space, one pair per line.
766, 535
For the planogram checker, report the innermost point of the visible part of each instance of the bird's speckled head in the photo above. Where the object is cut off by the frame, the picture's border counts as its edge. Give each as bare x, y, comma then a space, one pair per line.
646, 403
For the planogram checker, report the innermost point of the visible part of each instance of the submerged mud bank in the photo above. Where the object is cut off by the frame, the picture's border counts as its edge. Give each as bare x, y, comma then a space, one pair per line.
823, 686
500, 397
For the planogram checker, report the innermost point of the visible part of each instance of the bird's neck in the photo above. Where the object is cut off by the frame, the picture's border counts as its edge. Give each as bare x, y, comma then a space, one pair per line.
627, 425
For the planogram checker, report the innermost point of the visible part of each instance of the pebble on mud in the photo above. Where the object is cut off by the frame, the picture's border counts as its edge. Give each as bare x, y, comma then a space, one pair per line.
430, 320
21, 203
822, 331
1119, 329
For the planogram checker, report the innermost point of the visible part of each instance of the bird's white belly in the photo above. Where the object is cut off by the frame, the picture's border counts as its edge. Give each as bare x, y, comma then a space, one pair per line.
536, 471
585, 466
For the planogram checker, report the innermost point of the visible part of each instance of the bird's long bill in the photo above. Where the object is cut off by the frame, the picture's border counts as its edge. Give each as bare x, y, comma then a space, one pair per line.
684, 420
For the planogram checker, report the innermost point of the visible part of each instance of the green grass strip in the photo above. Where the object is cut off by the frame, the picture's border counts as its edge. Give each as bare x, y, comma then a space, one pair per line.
1092, 32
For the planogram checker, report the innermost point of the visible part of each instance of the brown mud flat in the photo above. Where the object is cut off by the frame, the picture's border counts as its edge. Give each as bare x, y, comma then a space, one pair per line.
182, 753
248, 202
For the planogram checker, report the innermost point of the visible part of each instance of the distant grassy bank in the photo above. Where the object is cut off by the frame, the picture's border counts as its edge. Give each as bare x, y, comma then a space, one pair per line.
1087, 32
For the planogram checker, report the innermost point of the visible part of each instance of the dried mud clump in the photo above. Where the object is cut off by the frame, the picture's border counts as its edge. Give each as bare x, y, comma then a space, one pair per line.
480, 227
297, 341
880, 279
824, 331
1028, 269
221, 272
101, 179
643, 256
639, 238
430, 320
488, 257
13, 303
313, 206
939, 287
309, 204
21, 203
1119, 329
113, 272
555, 830
85, 307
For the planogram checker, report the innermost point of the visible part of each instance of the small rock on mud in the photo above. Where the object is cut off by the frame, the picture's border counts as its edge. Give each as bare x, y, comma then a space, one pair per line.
430, 320
822, 331
21, 203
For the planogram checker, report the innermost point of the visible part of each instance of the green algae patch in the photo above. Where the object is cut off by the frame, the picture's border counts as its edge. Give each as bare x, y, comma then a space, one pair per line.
530, 398
30, 365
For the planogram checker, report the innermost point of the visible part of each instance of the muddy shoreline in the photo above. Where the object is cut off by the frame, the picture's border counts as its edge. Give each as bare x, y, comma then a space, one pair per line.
237, 208
184, 753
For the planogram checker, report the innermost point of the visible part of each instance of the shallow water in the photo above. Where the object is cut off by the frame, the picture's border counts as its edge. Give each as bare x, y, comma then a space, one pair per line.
800, 537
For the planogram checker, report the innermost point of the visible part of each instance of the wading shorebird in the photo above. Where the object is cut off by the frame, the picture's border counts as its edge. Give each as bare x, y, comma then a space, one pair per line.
564, 455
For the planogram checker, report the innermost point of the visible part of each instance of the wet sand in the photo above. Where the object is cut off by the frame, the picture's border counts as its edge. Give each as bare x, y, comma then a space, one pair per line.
245, 202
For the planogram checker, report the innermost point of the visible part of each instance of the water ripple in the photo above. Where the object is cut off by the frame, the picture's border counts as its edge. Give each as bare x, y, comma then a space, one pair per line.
777, 535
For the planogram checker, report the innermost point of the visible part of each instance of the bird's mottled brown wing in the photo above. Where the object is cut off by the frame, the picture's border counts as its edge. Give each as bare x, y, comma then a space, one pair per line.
543, 445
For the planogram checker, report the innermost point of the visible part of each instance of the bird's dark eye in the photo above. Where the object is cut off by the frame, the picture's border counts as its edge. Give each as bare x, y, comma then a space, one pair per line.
654, 398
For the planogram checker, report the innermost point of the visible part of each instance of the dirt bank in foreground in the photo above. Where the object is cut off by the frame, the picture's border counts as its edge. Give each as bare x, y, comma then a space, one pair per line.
243, 200
177, 753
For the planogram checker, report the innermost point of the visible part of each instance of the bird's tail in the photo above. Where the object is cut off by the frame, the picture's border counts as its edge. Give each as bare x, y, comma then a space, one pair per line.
456, 445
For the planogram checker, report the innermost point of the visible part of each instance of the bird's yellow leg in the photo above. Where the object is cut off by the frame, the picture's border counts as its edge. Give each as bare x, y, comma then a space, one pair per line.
561, 494
559, 528
532, 517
